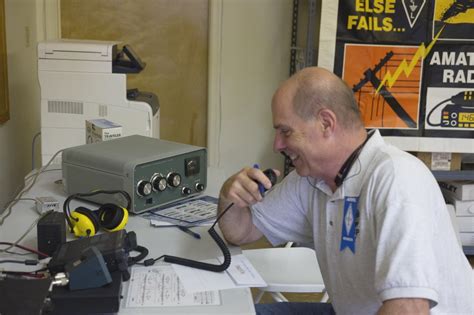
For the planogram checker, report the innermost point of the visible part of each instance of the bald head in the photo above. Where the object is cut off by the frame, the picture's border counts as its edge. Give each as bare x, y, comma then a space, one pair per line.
313, 88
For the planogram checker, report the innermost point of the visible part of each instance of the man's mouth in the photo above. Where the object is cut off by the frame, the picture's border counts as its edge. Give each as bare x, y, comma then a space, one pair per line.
292, 157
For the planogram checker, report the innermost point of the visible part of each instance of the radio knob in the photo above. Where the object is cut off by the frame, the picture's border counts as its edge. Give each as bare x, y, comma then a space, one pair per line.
174, 179
159, 183
199, 187
186, 191
144, 188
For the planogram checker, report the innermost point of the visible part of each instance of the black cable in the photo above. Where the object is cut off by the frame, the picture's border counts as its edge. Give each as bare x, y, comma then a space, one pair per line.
151, 261
222, 213
33, 150
28, 262
143, 253
199, 264
33, 274
431, 112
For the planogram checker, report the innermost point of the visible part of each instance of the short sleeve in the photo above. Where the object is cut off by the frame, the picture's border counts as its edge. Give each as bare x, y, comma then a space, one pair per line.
283, 216
405, 225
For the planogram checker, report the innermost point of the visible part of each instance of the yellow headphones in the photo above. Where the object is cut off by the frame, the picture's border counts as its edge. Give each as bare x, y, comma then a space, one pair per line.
85, 222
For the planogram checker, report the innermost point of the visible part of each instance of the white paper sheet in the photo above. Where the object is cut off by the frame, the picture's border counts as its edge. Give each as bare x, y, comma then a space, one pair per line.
159, 285
240, 274
243, 273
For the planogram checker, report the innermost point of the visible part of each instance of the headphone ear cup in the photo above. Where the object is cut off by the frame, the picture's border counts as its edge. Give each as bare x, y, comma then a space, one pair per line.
84, 222
112, 217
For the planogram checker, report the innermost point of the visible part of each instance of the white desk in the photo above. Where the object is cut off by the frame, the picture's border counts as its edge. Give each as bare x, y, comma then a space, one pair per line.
158, 241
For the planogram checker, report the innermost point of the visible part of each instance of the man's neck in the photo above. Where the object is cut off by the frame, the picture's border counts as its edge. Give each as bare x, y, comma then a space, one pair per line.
350, 149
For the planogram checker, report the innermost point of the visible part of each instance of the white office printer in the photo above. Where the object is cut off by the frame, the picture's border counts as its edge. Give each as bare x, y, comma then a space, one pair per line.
82, 80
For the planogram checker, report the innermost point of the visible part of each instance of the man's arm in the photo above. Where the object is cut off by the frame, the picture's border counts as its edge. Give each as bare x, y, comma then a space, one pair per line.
241, 190
405, 306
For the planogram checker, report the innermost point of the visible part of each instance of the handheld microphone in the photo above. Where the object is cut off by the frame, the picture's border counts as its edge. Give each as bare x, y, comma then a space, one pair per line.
271, 175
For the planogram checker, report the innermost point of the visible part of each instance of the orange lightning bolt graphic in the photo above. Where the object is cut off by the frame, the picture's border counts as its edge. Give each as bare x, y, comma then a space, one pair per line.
406, 68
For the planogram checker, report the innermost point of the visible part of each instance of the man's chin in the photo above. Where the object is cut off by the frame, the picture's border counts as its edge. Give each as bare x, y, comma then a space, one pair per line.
301, 172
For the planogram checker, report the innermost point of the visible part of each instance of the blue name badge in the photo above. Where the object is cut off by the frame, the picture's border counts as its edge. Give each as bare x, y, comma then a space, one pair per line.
351, 214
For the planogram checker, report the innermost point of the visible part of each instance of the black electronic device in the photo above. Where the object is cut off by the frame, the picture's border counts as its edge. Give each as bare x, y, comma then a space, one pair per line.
114, 247
51, 232
458, 114
272, 176
90, 271
23, 296
105, 299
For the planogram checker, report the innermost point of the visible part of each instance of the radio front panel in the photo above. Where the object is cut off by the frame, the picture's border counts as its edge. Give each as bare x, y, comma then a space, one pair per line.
159, 182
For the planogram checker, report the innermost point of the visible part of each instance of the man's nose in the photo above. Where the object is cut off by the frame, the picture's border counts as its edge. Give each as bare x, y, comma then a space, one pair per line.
278, 144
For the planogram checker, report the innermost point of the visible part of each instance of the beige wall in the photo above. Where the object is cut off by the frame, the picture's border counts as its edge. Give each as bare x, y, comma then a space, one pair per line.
249, 57
171, 37
16, 135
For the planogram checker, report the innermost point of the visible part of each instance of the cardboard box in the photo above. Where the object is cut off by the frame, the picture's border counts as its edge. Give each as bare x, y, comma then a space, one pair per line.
465, 224
441, 161
462, 208
461, 190
467, 239
98, 130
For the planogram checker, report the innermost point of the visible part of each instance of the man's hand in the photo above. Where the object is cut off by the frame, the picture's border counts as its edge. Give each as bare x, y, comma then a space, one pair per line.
405, 307
241, 190
242, 187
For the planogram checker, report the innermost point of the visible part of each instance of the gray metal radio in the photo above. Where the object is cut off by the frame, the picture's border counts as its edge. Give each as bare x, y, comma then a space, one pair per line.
154, 172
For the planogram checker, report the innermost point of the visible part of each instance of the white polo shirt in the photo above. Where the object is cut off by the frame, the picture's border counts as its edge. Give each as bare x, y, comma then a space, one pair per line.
384, 234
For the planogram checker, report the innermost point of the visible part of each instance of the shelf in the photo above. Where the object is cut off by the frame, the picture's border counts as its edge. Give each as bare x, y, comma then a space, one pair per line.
468, 250
453, 175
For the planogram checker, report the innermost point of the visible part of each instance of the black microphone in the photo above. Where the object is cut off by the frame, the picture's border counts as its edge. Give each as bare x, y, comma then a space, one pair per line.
271, 175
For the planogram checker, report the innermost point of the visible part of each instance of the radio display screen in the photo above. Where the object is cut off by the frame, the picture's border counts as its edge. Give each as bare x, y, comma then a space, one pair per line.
466, 117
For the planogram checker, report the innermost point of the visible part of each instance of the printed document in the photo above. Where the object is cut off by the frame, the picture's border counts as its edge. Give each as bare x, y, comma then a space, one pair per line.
159, 285
240, 274
191, 211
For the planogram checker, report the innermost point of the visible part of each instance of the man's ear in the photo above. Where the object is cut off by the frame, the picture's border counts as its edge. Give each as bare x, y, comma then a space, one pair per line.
328, 119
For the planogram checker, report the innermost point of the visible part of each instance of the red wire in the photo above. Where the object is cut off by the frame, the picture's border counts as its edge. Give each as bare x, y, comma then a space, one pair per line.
26, 248
26, 274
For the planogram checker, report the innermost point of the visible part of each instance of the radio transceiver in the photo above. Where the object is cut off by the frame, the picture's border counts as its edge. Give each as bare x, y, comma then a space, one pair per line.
459, 114
154, 172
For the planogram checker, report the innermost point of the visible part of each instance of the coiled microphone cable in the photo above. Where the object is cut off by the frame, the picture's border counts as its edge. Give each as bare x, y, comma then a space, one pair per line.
207, 266
215, 236
199, 264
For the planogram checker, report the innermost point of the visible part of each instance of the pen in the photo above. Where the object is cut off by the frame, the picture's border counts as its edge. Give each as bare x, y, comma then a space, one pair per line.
187, 230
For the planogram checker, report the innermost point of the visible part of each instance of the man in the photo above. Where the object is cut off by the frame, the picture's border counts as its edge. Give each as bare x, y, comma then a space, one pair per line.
376, 216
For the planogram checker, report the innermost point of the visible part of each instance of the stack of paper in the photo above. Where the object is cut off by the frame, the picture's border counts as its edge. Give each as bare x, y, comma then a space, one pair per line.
240, 274
176, 285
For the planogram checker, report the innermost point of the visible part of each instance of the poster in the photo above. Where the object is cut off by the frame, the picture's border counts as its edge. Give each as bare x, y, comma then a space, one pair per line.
410, 64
